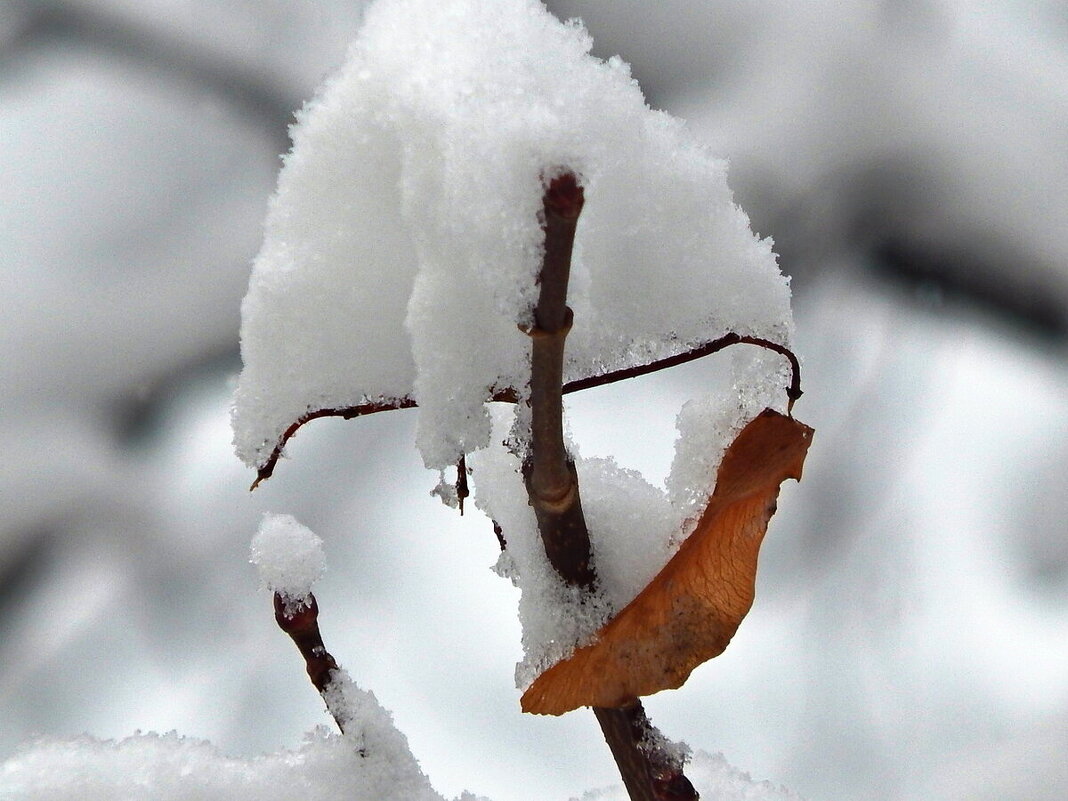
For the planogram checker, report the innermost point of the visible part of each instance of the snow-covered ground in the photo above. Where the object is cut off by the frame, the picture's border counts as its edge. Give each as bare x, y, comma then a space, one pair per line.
910, 635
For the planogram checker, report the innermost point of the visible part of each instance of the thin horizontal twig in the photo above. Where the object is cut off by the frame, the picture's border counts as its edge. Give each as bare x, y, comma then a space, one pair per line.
510, 395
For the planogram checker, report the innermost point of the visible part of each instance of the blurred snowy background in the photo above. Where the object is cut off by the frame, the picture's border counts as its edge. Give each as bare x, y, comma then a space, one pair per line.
910, 636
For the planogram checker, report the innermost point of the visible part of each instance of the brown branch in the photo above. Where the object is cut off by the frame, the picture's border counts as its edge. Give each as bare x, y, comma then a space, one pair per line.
793, 392
266, 470
301, 623
633, 766
510, 395
650, 773
462, 490
549, 471
550, 476
653, 773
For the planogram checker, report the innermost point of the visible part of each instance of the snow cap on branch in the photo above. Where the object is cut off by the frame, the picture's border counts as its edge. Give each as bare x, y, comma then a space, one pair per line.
403, 243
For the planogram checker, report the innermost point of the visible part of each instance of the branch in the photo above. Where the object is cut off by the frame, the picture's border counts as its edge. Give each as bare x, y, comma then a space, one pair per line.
552, 481
650, 771
653, 771
266, 470
301, 623
549, 471
509, 394
793, 392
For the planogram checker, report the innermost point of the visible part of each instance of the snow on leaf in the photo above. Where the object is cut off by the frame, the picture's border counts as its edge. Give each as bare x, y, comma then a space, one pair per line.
691, 609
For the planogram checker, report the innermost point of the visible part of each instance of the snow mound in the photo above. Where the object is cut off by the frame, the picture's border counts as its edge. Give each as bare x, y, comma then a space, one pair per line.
168, 767
289, 557
715, 779
403, 242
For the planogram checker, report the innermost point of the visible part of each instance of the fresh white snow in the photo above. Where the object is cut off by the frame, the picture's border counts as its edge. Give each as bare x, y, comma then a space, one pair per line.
403, 243
167, 767
402, 250
289, 557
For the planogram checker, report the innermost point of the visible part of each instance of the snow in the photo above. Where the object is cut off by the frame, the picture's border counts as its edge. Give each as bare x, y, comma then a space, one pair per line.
289, 557
403, 242
708, 423
402, 250
716, 779
555, 618
630, 524
168, 767
370, 732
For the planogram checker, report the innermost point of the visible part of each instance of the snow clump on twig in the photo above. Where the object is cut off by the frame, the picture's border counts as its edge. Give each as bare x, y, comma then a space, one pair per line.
289, 557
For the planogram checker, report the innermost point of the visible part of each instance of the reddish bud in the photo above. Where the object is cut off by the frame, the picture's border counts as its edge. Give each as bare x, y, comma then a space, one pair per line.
296, 617
564, 196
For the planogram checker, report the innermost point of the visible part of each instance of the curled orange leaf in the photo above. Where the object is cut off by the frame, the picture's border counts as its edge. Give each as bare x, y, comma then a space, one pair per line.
691, 609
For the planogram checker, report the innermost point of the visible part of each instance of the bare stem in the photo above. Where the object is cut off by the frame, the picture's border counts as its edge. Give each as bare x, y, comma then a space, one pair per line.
652, 773
509, 395
552, 481
619, 734
549, 471
301, 623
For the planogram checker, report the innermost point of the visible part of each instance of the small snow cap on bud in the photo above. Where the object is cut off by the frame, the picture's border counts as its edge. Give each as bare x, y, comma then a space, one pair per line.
289, 557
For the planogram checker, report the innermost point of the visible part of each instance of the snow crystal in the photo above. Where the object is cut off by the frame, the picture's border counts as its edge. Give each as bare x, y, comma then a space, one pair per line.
707, 426
630, 523
370, 731
403, 243
289, 557
714, 777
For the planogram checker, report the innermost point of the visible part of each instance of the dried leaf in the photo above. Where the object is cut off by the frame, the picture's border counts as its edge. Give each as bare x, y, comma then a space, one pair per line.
691, 609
